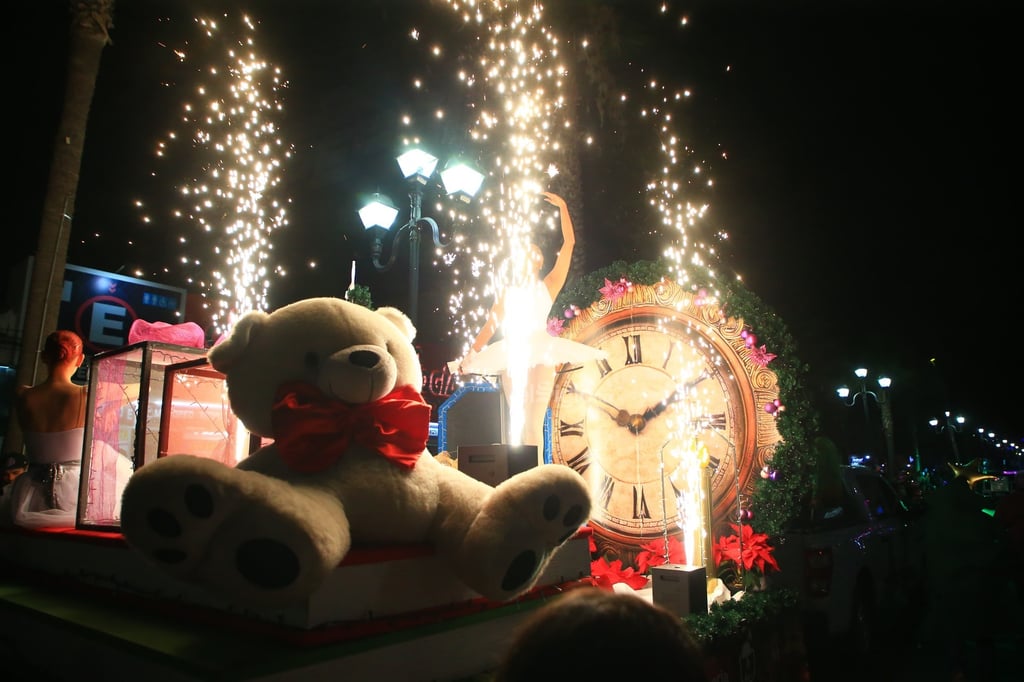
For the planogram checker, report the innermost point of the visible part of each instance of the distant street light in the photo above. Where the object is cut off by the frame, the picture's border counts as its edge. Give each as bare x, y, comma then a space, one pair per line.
950, 425
882, 398
378, 216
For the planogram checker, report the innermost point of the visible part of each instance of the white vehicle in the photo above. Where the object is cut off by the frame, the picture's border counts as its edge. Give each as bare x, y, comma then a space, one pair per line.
854, 561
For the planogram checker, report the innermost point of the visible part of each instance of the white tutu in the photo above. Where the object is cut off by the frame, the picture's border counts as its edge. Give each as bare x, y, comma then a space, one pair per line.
46, 495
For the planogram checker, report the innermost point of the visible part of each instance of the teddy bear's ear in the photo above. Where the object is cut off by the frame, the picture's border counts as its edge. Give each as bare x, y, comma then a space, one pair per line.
399, 319
227, 352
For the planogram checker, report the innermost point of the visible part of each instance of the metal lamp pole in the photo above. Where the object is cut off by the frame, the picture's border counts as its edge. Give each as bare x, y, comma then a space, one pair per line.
882, 398
952, 424
883, 402
379, 215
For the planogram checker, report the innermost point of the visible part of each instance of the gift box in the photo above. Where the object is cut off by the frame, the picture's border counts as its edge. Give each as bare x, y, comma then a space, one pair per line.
196, 416
122, 423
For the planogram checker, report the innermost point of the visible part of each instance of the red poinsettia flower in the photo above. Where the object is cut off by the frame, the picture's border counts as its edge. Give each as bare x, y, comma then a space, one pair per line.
754, 552
653, 553
726, 548
606, 574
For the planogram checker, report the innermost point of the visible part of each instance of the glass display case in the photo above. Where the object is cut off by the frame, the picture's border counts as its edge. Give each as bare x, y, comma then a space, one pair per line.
123, 423
197, 419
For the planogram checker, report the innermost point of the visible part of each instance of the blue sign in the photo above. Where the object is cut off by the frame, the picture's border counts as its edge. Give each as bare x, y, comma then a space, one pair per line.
101, 306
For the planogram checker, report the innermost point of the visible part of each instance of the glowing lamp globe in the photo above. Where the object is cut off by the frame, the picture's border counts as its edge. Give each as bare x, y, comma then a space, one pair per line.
417, 165
462, 182
380, 212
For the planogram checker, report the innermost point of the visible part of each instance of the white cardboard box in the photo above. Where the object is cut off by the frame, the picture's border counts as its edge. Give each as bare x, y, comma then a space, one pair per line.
680, 588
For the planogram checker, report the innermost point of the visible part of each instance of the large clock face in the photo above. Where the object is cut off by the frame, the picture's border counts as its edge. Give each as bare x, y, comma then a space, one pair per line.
671, 397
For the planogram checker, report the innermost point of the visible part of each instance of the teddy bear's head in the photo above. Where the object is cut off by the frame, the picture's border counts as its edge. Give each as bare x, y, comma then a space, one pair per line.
349, 352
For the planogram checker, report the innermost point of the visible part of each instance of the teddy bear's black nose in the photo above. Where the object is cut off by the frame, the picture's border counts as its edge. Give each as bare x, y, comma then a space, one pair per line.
364, 358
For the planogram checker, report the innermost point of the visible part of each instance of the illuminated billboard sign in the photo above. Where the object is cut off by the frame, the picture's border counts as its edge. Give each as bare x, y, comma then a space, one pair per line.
101, 306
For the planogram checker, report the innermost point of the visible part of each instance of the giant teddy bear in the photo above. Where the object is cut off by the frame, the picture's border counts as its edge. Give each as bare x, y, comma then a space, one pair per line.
336, 386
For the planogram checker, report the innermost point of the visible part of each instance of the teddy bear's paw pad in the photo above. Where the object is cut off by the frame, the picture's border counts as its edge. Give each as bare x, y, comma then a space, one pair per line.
550, 507
521, 572
267, 563
198, 503
571, 518
264, 556
174, 518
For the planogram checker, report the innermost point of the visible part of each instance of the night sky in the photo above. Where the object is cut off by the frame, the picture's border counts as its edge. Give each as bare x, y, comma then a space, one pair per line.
859, 152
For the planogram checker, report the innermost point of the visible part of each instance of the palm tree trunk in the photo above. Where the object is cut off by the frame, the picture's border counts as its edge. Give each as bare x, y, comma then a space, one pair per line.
90, 25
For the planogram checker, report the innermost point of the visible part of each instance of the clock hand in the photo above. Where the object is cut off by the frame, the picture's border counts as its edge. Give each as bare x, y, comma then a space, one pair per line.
660, 406
676, 395
621, 417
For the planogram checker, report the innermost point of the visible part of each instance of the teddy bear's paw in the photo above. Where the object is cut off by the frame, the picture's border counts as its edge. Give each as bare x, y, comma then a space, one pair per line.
551, 502
266, 557
523, 522
245, 534
172, 507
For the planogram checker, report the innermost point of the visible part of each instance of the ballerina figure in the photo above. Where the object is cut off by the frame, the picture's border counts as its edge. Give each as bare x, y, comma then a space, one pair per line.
527, 356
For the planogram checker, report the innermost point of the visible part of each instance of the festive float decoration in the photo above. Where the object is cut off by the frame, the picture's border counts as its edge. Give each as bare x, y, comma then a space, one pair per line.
334, 384
768, 479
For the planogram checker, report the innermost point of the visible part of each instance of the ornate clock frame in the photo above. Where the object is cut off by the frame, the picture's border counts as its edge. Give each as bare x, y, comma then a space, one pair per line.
665, 308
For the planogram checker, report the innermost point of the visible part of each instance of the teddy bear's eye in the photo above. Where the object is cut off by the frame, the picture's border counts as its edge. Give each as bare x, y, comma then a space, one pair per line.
312, 361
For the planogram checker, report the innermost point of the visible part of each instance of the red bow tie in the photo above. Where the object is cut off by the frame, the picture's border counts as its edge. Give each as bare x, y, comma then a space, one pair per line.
312, 431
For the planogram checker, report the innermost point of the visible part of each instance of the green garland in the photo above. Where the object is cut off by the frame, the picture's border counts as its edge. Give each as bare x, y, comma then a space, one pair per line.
775, 500
733, 616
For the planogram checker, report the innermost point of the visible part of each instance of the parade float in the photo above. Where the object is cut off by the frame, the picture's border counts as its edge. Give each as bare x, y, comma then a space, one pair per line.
700, 397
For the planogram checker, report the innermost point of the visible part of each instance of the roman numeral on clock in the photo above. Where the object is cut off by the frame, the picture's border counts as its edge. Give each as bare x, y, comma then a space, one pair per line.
717, 420
675, 491
581, 461
570, 429
605, 494
634, 356
640, 510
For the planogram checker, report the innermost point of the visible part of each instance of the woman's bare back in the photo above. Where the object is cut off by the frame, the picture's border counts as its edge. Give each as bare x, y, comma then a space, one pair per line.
51, 407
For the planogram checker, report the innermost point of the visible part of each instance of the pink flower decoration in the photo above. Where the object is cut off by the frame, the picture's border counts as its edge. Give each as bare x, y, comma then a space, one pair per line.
555, 326
613, 291
761, 356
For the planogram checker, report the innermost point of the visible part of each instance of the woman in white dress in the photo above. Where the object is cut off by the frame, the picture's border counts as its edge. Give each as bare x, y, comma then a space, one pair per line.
527, 356
52, 418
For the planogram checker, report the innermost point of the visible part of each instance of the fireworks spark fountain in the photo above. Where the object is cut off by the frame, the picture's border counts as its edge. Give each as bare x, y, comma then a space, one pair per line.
525, 125
230, 144
516, 87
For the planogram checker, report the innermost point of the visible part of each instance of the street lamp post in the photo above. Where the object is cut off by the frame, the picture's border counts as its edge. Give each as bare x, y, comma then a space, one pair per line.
379, 214
882, 398
950, 425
